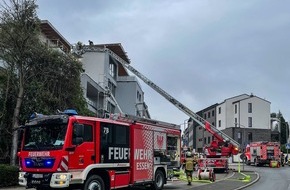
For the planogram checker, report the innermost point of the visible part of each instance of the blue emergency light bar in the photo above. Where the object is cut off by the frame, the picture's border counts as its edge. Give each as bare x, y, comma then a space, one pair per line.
70, 112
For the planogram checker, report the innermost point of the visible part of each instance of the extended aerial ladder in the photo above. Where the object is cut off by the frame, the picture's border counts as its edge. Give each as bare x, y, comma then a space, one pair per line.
202, 122
221, 136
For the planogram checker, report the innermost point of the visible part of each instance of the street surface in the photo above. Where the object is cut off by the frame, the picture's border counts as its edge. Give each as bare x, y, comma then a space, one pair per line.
270, 178
171, 184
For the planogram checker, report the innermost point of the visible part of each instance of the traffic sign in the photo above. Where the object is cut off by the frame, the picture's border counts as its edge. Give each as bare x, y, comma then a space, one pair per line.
288, 146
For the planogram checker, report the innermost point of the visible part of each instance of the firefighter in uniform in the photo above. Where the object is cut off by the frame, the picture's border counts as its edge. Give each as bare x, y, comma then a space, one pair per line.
189, 167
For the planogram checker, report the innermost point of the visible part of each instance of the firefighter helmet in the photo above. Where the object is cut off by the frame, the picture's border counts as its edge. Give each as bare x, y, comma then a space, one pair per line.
188, 154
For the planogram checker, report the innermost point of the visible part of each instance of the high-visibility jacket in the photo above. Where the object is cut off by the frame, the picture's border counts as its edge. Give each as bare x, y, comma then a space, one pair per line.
189, 165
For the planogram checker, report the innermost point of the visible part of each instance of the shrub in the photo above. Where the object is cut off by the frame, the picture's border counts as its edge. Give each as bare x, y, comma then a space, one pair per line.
8, 175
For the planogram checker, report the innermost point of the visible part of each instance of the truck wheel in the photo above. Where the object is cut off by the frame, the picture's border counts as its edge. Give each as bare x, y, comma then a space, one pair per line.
159, 180
94, 182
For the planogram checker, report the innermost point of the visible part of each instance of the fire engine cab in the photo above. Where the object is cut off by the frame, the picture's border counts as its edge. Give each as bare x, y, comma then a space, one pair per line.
71, 151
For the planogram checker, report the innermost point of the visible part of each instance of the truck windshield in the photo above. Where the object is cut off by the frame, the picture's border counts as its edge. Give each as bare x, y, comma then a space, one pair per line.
44, 137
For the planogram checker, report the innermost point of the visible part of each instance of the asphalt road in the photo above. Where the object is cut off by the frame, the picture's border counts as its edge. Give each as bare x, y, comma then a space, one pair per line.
171, 184
272, 178
225, 181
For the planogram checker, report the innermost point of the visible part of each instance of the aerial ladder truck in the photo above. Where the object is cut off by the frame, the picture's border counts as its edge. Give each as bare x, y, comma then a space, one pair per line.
217, 153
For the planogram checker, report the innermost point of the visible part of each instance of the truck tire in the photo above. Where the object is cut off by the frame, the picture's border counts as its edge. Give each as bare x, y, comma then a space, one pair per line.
159, 180
94, 182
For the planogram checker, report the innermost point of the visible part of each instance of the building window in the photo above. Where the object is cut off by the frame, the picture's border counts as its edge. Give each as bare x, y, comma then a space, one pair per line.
250, 122
236, 108
212, 124
208, 140
212, 113
208, 114
112, 70
220, 110
250, 136
112, 87
236, 122
204, 140
205, 116
239, 135
212, 138
220, 123
249, 107
138, 96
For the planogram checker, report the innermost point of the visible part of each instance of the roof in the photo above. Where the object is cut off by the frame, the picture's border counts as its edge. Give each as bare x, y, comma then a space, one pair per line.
234, 97
51, 33
207, 108
251, 96
118, 49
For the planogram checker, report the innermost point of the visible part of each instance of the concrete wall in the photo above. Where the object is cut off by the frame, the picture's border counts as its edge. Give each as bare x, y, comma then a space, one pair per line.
130, 95
94, 65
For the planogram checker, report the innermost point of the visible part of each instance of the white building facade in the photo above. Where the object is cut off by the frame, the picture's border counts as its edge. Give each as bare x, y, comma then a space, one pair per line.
245, 118
243, 111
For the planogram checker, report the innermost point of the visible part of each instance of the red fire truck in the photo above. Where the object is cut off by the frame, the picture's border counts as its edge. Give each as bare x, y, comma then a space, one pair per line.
71, 151
261, 153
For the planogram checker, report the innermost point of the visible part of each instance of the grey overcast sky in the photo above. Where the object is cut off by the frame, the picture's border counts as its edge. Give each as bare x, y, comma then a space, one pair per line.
199, 51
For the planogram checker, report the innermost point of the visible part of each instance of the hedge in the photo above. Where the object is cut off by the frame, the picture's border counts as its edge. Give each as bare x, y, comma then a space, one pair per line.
8, 175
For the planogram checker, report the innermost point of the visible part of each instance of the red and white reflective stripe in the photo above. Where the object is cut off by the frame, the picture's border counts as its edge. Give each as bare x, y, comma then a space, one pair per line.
63, 164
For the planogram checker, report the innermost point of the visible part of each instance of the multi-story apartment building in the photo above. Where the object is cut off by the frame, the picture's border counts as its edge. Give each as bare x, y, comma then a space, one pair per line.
107, 86
244, 111
245, 118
